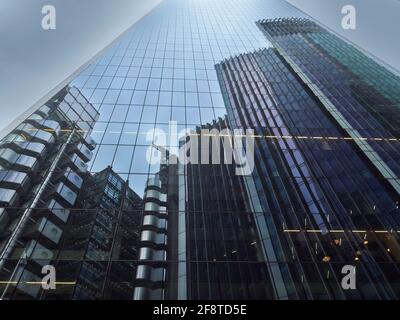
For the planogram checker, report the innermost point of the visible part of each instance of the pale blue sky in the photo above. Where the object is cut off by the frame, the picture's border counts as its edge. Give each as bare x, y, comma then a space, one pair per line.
34, 61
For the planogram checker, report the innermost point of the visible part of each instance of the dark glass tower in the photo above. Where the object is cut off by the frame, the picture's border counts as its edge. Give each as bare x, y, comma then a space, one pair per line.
224, 259
325, 183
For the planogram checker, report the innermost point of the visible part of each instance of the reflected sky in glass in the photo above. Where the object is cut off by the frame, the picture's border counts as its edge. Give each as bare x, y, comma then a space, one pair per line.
163, 70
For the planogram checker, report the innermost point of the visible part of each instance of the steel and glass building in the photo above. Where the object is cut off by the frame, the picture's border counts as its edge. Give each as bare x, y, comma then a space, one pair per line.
325, 183
43, 171
79, 190
104, 231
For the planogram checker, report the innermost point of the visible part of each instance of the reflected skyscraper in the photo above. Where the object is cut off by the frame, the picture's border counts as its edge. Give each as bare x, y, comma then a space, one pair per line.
103, 236
43, 167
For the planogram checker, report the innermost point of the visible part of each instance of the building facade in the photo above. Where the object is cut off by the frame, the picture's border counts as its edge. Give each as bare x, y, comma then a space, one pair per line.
79, 190
43, 167
326, 160
224, 259
103, 234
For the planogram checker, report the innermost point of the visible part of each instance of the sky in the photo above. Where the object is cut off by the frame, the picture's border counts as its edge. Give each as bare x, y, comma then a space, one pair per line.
34, 61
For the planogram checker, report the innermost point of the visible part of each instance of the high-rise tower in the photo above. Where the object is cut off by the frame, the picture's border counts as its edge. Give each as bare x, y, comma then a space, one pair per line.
326, 157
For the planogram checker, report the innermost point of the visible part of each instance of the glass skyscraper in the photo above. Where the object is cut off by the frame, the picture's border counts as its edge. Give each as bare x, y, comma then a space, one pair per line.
326, 158
78, 189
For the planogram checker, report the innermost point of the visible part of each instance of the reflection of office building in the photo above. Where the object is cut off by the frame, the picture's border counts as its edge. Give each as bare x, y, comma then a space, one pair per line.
223, 255
100, 248
156, 276
198, 238
152, 260
85, 225
325, 186
43, 166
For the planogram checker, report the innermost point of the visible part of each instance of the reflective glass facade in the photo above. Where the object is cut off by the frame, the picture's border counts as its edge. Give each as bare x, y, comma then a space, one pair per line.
78, 192
326, 159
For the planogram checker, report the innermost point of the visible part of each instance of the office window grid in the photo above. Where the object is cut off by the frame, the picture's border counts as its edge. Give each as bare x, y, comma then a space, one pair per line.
163, 70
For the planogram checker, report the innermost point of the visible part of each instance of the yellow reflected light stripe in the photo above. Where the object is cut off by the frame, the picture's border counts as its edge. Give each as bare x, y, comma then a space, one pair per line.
240, 135
336, 231
40, 282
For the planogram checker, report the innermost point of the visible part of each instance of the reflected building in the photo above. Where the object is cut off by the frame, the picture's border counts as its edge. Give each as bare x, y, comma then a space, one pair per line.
85, 225
223, 258
99, 252
155, 246
43, 167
